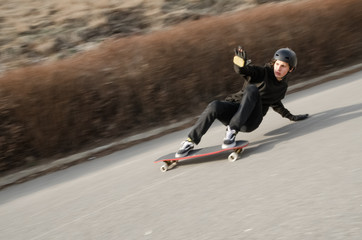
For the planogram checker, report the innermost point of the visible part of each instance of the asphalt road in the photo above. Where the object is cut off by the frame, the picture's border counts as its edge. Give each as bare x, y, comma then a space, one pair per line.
295, 181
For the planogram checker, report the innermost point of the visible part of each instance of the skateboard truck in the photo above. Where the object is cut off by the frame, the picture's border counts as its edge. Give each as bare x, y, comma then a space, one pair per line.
168, 165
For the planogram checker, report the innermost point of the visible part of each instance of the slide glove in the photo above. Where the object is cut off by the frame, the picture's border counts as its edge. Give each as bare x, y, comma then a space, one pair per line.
295, 118
240, 57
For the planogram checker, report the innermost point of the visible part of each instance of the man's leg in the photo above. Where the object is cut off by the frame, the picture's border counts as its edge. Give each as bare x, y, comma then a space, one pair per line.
220, 110
247, 118
249, 114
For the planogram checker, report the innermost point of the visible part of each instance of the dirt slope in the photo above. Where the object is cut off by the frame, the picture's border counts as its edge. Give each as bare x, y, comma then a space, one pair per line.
47, 30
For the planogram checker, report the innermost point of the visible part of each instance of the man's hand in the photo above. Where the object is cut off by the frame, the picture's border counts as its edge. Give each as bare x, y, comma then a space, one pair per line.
240, 57
295, 118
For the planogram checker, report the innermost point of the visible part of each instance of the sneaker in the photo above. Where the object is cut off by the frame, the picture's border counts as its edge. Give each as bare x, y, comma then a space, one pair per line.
186, 147
229, 140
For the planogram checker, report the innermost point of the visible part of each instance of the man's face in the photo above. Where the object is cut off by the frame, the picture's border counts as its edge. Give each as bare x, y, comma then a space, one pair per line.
281, 69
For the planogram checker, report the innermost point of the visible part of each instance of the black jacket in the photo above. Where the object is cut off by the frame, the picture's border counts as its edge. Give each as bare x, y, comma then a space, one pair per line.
271, 90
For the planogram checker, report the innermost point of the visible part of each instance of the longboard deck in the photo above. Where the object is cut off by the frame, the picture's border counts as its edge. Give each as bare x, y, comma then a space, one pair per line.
202, 152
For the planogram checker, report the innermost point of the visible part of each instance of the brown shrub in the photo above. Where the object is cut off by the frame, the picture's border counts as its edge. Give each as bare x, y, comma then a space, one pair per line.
130, 85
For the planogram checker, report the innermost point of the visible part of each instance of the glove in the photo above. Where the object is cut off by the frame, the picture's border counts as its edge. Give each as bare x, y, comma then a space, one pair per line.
240, 57
295, 118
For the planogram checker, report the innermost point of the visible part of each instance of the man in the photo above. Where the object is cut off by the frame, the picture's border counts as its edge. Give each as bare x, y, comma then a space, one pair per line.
244, 111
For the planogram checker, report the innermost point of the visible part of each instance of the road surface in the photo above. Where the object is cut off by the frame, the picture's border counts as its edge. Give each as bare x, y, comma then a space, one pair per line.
295, 181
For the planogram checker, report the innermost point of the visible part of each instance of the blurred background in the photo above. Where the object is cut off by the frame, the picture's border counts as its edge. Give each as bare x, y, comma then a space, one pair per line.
76, 74
43, 31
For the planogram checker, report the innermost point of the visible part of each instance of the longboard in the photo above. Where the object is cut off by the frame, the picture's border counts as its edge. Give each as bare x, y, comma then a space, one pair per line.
170, 161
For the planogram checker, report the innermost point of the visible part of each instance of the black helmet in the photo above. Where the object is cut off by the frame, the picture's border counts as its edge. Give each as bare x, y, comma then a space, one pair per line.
286, 55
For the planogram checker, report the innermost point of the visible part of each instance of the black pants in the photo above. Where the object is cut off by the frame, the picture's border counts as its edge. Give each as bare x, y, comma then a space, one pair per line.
243, 117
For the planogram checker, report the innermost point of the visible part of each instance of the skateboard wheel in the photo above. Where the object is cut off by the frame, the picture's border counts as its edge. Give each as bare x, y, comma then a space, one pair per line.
233, 156
164, 167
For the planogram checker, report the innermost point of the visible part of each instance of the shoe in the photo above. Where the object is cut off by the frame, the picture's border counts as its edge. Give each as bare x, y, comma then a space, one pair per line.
229, 140
186, 147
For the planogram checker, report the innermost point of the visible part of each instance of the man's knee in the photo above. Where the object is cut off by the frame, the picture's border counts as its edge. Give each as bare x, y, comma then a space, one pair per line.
252, 89
213, 106
251, 93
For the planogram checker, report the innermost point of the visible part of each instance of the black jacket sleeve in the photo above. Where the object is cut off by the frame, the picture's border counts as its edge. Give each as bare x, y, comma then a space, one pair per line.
254, 72
279, 108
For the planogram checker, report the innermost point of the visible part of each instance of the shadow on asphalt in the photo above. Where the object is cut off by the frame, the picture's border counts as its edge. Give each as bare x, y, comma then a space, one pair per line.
314, 123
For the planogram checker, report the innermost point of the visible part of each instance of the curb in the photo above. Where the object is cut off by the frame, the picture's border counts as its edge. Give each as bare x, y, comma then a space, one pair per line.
62, 163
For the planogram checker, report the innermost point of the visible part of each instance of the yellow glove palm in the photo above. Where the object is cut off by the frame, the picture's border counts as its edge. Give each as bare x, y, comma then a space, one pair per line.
239, 61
